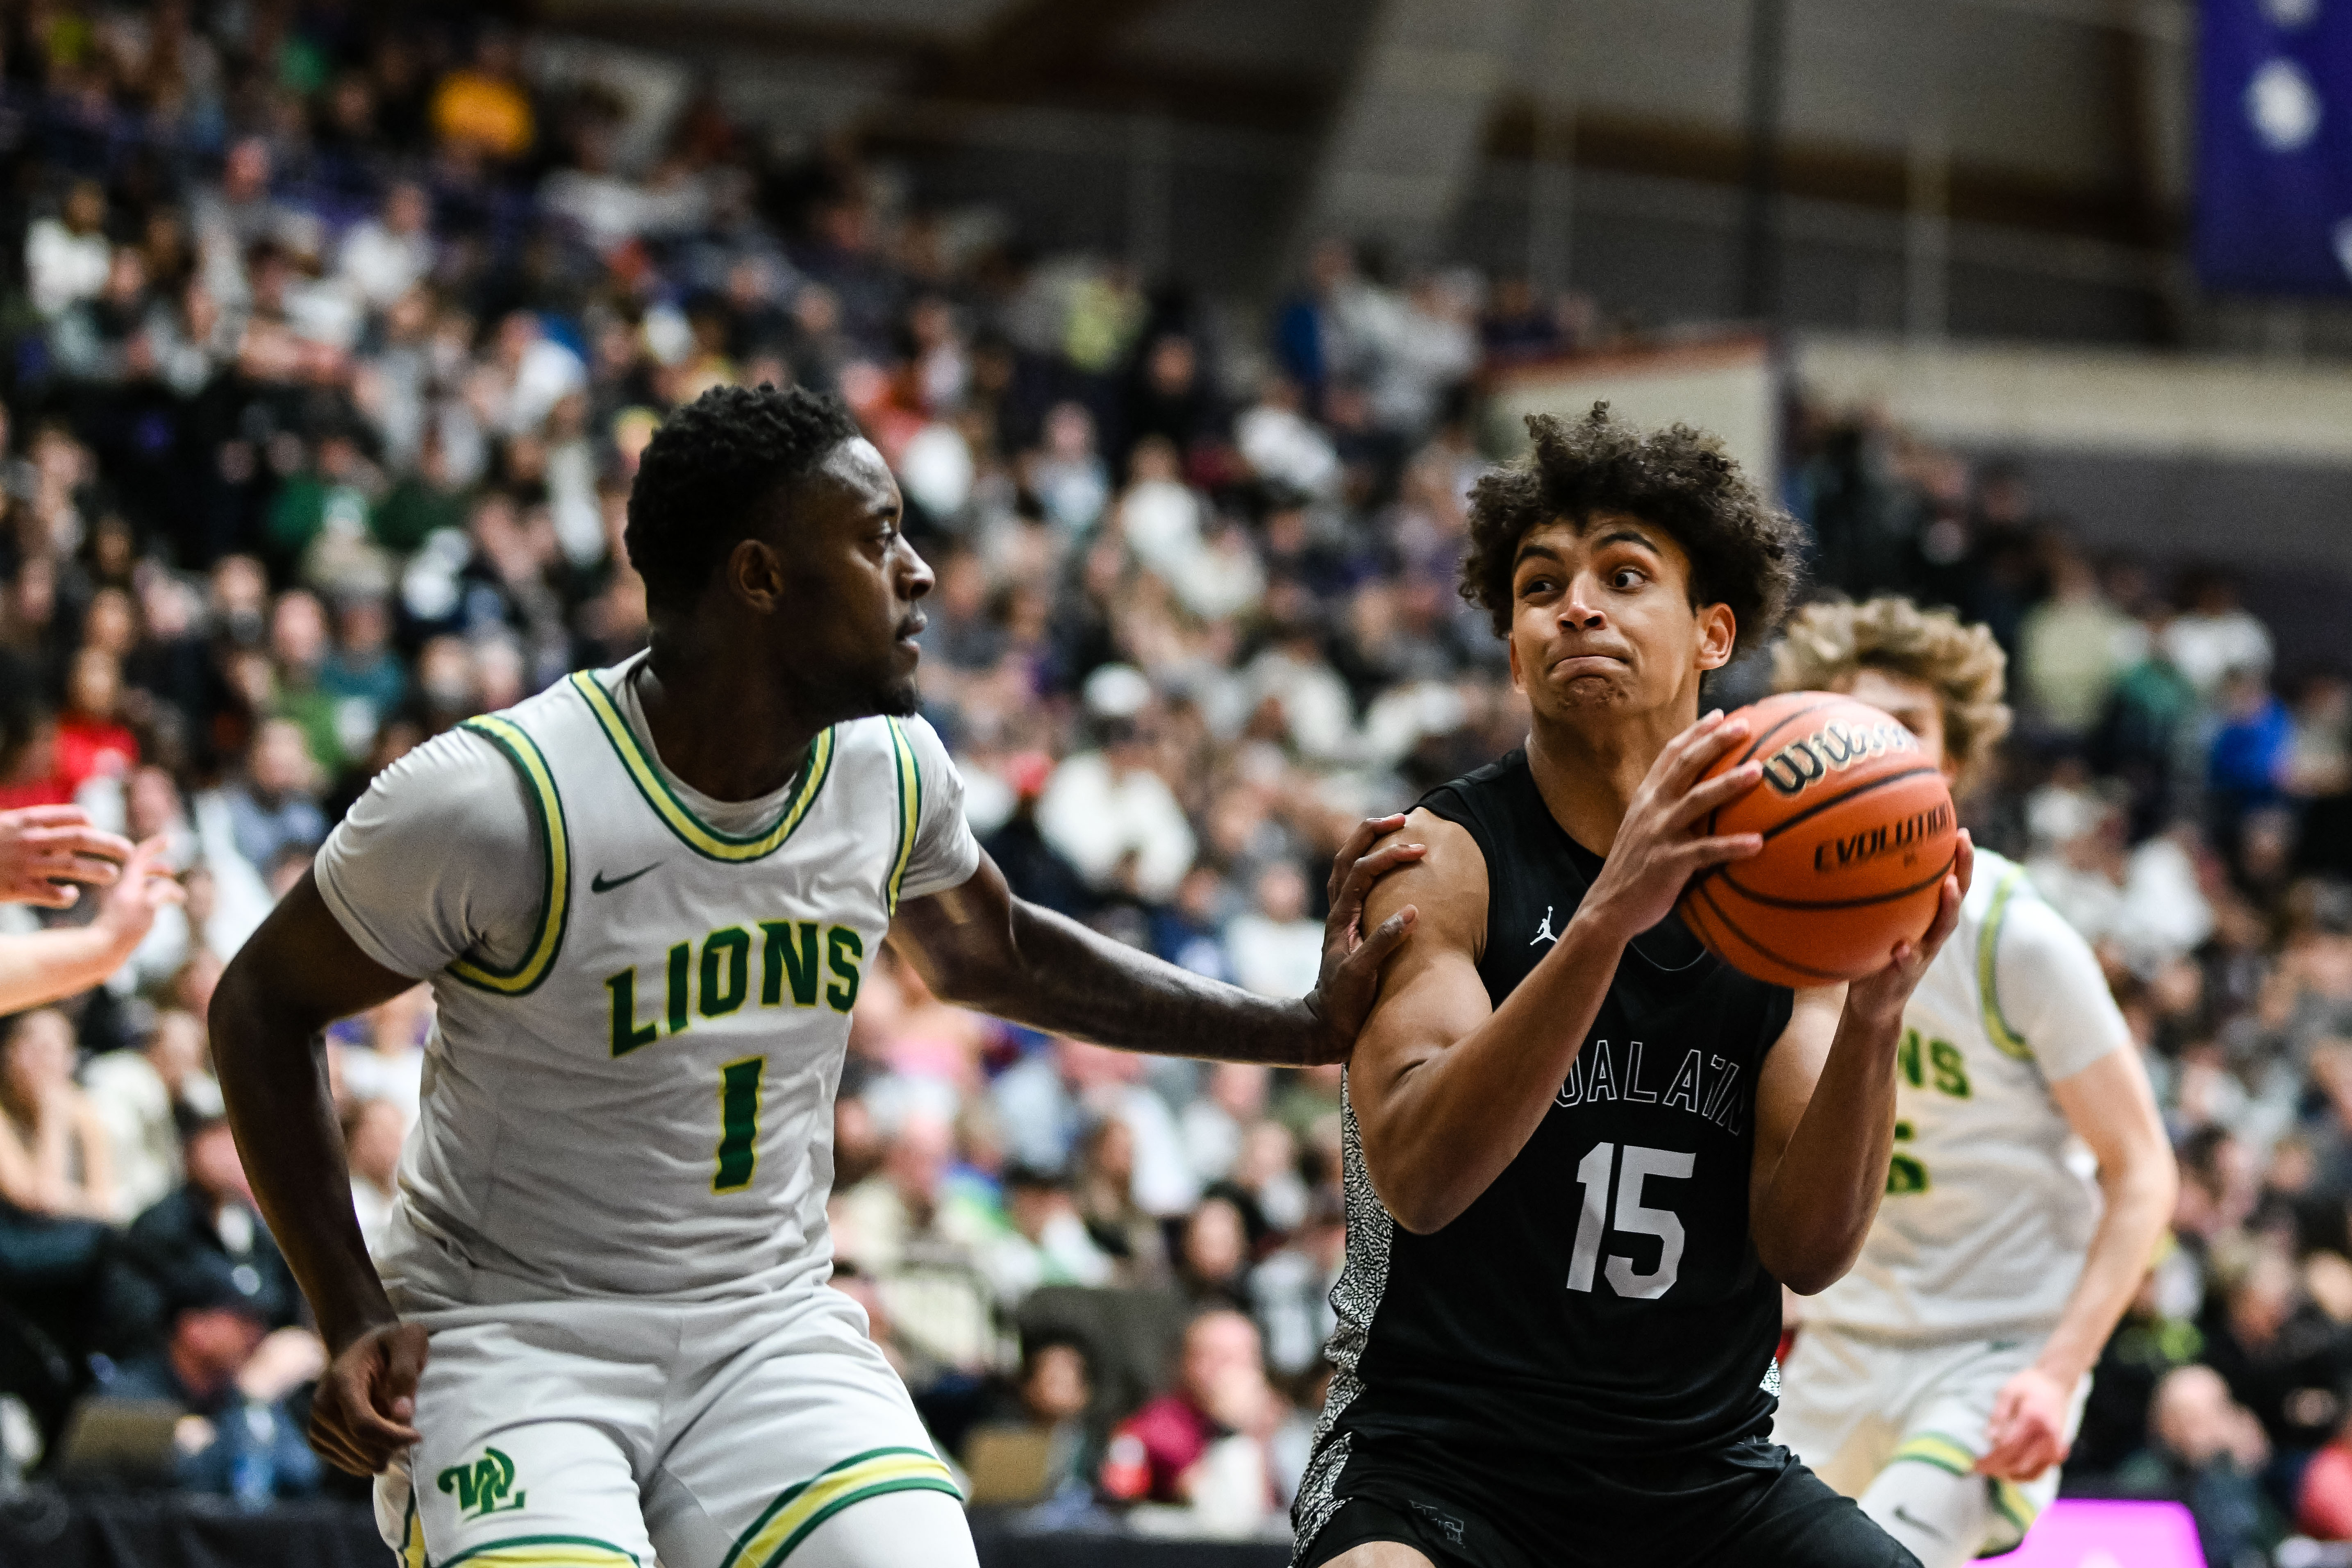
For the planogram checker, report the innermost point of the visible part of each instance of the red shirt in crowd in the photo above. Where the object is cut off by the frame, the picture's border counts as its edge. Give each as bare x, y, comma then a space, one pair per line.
87, 747
2322, 1504
1155, 1446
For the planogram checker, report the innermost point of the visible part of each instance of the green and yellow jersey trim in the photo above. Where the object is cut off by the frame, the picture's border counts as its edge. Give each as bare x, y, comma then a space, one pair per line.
1997, 1027
2010, 1501
555, 844
412, 1537
546, 1552
696, 834
1945, 1453
911, 806
787, 1521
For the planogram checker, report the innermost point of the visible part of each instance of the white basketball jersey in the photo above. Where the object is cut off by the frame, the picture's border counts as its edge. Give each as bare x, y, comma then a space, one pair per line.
1989, 1203
643, 1104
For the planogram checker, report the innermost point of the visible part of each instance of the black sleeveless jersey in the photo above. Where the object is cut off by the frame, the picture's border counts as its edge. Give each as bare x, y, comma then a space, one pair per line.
1602, 1298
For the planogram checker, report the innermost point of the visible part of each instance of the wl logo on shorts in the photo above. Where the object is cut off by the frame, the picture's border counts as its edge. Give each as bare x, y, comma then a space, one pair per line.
482, 1486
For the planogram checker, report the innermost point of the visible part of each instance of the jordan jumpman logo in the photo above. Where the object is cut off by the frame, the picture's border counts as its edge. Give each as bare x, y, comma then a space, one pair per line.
1543, 931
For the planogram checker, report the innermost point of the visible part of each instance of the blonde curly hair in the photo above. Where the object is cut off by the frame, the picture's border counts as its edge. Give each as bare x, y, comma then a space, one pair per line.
1826, 643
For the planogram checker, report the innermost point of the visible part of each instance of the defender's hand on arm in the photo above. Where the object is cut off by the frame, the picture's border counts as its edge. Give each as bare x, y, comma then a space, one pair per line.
979, 945
1350, 978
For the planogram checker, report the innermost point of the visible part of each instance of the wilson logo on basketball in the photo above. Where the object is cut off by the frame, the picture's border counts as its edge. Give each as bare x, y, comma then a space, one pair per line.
1853, 849
1833, 748
1858, 835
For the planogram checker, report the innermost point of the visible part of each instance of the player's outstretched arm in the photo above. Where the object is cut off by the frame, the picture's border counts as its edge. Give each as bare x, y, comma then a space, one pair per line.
49, 965
299, 974
44, 849
1825, 1111
979, 945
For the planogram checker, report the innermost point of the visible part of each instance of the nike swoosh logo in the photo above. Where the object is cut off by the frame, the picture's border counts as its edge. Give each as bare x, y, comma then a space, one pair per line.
597, 884
1916, 1523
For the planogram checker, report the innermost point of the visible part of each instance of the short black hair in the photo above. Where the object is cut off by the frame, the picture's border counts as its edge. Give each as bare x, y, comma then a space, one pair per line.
1744, 551
704, 474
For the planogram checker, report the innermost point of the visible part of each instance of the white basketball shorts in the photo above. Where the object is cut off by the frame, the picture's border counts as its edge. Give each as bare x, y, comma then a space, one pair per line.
1856, 1409
598, 1433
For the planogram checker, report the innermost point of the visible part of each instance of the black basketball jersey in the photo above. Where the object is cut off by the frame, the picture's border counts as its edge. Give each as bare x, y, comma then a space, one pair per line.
1602, 1298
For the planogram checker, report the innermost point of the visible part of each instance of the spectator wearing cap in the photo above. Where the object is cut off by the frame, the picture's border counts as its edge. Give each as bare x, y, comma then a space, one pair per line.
209, 1229
1106, 810
222, 1365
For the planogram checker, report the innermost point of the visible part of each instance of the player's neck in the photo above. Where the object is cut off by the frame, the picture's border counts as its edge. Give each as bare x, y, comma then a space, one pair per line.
718, 726
1589, 773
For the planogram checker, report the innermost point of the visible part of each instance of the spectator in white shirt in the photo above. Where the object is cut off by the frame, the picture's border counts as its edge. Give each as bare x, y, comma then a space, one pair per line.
135, 1094
1105, 811
1275, 945
66, 257
2215, 636
386, 256
1281, 444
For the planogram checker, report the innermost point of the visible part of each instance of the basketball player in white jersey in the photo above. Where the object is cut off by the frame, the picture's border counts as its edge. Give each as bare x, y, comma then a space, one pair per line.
1940, 1382
645, 899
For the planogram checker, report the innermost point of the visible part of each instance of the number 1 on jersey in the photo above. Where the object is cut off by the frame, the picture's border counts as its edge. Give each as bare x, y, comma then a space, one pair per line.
739, 1123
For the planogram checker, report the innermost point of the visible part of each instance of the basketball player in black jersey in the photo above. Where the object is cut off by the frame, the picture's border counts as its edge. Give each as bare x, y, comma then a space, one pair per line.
1582, 1154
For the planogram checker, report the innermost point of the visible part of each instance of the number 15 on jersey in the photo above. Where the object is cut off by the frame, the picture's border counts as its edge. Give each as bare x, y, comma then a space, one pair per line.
1634, 1218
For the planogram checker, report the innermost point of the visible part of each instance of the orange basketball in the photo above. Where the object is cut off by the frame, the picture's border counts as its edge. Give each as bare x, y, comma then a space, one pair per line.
1859, 832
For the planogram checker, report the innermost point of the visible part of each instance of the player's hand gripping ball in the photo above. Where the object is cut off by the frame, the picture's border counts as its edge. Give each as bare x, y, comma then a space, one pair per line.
1859, 834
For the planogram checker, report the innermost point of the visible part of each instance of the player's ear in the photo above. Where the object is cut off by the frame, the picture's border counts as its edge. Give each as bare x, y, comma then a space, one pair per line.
1718, 631
1512, 644
756, 574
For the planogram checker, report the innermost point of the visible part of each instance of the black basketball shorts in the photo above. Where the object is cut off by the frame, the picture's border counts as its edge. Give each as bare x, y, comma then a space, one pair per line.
1749, 1505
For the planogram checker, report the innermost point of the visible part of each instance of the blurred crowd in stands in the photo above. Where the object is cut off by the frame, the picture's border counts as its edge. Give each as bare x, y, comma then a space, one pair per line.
328, 352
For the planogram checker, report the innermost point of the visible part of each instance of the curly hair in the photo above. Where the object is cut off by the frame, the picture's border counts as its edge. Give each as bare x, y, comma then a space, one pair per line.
704, 474
1743, 551
1826, 643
